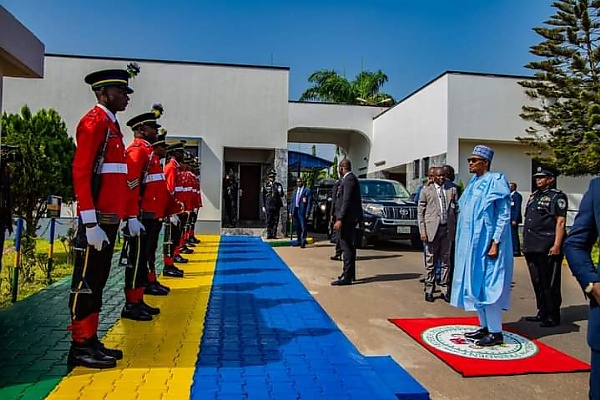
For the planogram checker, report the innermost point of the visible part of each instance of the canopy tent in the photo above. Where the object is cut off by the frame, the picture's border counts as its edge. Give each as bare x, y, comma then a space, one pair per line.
303, 162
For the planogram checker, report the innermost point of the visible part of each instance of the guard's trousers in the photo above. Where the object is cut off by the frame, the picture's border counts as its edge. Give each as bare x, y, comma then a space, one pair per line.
136, 273
545, 273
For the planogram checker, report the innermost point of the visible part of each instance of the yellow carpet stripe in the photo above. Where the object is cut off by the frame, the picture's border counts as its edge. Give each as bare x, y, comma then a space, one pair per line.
159, 356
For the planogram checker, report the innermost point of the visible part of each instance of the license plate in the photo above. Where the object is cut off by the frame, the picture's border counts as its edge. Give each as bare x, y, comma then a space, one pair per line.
403, 229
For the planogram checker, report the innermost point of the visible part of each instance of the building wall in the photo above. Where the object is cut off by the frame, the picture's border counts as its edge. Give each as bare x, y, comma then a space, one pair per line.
225, 106
413, 129
484, 108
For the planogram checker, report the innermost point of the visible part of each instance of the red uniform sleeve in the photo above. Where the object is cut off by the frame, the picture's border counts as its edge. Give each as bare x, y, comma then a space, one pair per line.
171, 176
137, 161
91, 133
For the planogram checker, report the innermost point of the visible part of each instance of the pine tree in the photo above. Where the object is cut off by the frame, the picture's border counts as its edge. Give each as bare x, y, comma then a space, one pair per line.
566, 89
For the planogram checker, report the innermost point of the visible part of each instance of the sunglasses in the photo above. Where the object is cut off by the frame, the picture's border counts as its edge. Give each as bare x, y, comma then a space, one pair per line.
474, 160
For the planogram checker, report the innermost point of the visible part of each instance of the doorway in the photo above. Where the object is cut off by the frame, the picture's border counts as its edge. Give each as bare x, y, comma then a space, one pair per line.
250, 184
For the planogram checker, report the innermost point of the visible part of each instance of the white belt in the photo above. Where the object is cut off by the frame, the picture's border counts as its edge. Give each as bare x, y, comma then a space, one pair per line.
113, 168
154, 177
179, 189
188, 189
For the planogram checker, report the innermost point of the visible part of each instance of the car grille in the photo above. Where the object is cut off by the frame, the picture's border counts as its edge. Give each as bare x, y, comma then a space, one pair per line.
400, 212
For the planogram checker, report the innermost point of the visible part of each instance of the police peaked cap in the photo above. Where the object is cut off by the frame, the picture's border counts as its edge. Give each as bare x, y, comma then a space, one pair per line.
543, 172
109, 77
272, 172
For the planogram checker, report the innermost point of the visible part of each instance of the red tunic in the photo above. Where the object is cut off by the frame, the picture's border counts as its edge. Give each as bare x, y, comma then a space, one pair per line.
113, 193
144, 169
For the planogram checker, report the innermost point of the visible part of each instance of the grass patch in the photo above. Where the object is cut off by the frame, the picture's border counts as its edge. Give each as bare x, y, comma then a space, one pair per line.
33, 270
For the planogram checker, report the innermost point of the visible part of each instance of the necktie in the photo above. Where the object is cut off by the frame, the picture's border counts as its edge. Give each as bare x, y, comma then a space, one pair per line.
298, 191
443, 199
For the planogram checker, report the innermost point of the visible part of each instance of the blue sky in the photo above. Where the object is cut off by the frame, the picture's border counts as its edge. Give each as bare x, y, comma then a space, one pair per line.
411, 41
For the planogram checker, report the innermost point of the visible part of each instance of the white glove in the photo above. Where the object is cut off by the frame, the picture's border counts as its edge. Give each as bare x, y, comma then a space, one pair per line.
135, 227
264, 210
174, 219
96, 237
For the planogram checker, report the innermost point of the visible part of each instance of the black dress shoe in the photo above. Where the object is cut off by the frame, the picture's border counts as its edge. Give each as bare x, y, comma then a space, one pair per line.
134, 311
429, 298
148, 308
535, 318
491, 339
153, 289
336, 258
179, 259
478, 334
88, 355
341, 282
446, 297
185, 250
549, 323
422, 280
114, 353
190, 244
172, 272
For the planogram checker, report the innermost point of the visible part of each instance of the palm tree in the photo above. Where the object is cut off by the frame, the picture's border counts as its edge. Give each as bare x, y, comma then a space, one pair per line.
331, 87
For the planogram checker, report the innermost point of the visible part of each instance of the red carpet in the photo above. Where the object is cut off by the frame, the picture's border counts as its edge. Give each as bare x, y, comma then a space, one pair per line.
518, 355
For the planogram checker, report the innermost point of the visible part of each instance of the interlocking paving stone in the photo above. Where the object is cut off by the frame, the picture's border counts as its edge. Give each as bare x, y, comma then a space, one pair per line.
266, 337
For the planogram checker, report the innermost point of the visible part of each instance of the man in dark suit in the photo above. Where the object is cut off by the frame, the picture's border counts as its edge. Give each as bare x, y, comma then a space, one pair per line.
516, 217
299, 208
578, 247
349, 214
335, 235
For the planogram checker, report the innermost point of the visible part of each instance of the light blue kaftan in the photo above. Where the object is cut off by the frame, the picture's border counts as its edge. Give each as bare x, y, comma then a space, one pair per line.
484, 214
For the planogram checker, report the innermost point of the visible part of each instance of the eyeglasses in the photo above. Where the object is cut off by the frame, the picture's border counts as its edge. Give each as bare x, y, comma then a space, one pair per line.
474, 160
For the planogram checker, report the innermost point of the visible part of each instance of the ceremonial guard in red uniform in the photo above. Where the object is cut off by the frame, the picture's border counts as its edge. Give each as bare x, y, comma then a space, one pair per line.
187, 187
175, 223
100, 185
196, 201
148, 196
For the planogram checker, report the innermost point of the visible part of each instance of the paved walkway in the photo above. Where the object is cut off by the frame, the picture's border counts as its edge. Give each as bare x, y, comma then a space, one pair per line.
240, 325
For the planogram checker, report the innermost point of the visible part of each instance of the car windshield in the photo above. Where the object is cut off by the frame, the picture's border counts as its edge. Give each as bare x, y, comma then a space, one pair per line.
383, 189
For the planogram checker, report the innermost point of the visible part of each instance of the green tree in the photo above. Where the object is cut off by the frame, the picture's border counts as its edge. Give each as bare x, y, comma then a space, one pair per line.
331, 87
566, 90
47, 151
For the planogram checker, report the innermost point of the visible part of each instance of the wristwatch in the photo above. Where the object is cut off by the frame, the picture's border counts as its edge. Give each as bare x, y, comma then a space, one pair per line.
588, 289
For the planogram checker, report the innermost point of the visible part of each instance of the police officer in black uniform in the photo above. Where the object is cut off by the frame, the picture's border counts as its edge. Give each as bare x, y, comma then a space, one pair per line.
543, 234
272, 194
230, 197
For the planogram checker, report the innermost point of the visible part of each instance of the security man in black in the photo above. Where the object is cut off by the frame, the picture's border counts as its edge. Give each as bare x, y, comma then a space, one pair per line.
543, 235
272, 194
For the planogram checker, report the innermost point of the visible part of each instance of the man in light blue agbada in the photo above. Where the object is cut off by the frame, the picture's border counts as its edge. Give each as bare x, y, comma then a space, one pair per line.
484, 256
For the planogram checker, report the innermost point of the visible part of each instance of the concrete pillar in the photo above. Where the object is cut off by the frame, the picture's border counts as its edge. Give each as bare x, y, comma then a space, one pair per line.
281, 167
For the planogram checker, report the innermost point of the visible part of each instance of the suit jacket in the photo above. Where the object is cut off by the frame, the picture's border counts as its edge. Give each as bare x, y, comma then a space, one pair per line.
516, 201
430, 213
305, 201
578, 248
349, 206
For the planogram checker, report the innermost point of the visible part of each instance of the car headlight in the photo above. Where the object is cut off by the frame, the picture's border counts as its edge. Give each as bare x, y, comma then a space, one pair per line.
373, 209
323, 207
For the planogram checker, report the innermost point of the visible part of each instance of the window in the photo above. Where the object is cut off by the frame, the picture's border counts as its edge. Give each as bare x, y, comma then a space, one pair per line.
416, 169
425, 166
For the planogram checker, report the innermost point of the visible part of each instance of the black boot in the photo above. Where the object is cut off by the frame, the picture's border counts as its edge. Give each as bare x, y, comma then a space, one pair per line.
87, 354
149, 309
195, 240
135, 312
114, 353
185, 250
172, 271
168, 289
478, 334
153, 289
179, 259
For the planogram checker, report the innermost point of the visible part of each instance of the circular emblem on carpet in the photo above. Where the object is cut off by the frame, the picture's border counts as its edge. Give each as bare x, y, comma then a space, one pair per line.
451, 339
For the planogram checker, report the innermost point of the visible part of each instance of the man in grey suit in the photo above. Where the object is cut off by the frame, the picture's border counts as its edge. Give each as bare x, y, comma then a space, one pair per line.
437, 226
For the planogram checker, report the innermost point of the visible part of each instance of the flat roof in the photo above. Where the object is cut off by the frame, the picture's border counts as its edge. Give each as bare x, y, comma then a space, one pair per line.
129, 59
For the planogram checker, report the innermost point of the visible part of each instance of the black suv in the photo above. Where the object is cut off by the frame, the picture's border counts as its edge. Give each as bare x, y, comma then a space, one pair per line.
389, 213
318, 218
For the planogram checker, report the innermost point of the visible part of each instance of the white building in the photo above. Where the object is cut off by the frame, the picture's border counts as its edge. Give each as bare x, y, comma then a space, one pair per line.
239, 116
